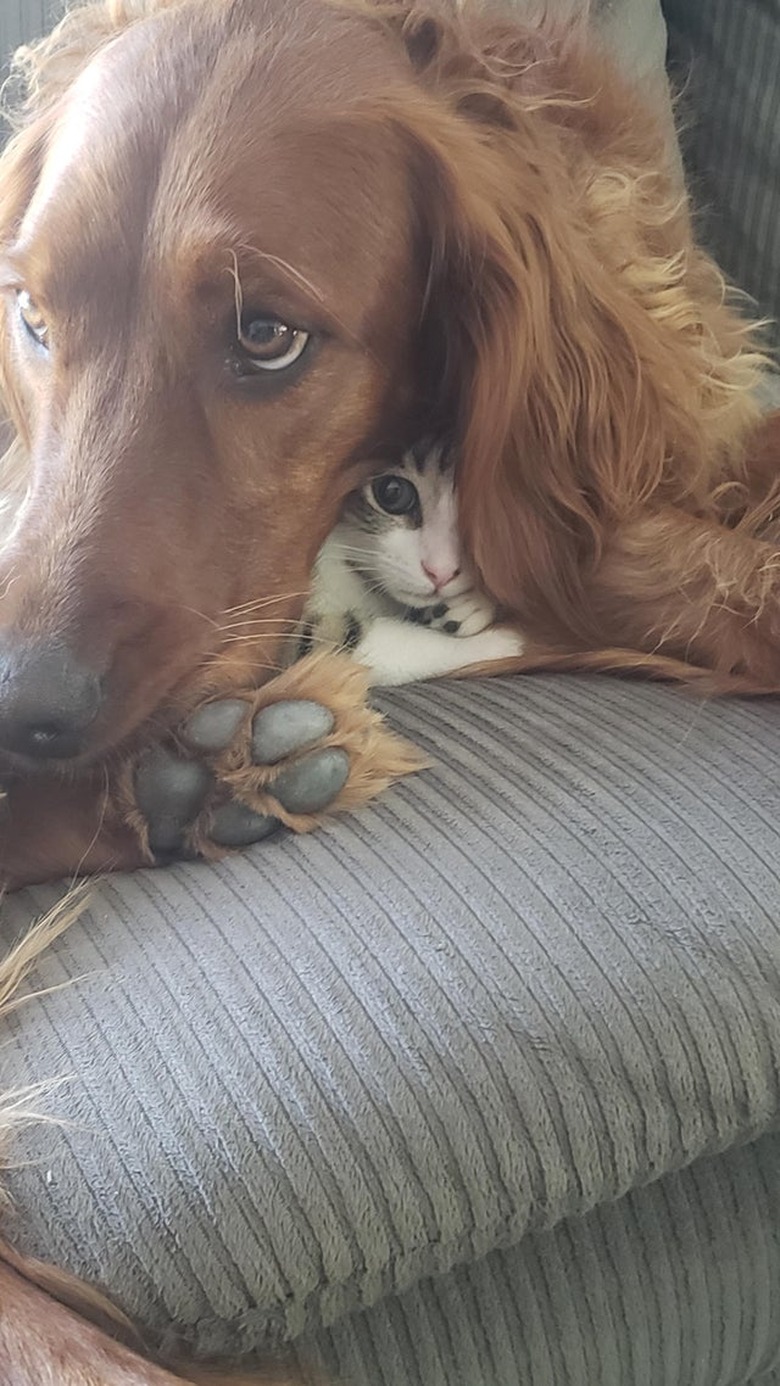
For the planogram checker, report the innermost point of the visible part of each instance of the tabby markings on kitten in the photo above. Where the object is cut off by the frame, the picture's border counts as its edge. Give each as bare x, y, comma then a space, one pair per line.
391, 583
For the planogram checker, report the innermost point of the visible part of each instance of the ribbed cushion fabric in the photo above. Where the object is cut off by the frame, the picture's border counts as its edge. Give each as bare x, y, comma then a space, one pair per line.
677, 1284
542, 974
727, 57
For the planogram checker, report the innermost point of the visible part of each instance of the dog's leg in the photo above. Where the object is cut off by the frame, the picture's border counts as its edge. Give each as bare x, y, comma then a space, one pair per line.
673, 584
42, 1341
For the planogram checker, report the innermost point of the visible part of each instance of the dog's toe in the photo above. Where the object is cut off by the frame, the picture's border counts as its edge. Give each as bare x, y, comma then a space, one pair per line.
287, 727
237, 769
237, 825
310, 784
170, 793
213, 727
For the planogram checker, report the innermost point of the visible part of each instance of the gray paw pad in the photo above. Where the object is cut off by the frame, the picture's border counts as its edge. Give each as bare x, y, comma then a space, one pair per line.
286, 727
170, 793
236, 825
213, 727
312, 782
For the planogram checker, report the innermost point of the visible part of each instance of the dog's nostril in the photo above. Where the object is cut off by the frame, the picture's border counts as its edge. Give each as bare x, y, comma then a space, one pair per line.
44, 741
48, 702
43, 736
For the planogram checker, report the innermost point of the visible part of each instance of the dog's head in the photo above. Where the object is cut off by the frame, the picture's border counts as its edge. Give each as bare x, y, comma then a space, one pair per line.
211, 295
242, 246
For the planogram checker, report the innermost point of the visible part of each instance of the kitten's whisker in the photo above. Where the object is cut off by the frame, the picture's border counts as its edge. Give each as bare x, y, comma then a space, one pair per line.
353, 548
321, 640
376, 585
192, 611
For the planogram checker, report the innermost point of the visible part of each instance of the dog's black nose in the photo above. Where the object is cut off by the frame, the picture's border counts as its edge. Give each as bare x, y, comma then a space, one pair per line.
48, 701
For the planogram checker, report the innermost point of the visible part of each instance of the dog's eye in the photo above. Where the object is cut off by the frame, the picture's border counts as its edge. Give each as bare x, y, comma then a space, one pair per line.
33, 318
395, 495
271, 345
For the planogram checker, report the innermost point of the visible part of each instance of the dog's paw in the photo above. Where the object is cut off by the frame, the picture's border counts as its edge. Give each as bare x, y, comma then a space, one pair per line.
174, 786
467, 614
240, 767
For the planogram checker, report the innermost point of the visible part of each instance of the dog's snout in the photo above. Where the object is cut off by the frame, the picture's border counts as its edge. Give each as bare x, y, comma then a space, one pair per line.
48, 701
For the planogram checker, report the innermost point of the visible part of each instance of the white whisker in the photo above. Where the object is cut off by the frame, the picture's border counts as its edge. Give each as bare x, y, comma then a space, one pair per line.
259, 602
256, 628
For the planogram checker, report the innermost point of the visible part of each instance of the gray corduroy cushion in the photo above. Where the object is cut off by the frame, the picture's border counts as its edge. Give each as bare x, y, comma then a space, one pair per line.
677, 1284
541, 974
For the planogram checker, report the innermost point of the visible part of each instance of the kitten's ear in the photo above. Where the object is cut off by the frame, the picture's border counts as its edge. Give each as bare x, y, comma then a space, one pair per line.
498, 339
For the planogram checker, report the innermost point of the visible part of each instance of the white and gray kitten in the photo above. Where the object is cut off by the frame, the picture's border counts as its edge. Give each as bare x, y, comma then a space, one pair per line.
391, 584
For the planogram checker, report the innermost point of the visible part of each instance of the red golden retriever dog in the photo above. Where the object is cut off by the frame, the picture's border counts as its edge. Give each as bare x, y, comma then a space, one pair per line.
244, 244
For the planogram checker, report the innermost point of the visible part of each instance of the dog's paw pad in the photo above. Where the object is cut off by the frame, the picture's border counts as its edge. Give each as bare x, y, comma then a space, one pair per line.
170, 793
287, 727
237, 825
312, 782
213, 727
181, 793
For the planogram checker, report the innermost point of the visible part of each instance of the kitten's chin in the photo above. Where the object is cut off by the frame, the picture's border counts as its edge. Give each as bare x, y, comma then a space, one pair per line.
416, 600
462, 583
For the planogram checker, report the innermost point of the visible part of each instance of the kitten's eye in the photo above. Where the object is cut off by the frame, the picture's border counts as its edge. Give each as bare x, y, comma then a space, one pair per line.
269, 344
33, 319
395, 495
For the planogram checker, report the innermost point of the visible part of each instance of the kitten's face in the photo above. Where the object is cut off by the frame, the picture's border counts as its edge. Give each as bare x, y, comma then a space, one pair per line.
403, 531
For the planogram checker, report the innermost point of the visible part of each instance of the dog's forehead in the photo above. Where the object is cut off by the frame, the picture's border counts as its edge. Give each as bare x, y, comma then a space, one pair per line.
118, 112
242, 115
327, 208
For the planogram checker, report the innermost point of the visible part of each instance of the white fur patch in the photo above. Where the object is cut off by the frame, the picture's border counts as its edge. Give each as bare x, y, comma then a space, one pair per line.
396, 652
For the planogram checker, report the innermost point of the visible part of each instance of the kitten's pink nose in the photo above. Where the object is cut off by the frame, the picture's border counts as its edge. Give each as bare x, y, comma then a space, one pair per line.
440, 576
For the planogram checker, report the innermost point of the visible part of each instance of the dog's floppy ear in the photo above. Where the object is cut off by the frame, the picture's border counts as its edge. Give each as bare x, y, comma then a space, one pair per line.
578, 339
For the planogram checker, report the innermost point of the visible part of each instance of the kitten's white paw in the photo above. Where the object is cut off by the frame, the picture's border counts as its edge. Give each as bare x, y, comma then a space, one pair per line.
465, 614
397, 652
498, 642
473, 611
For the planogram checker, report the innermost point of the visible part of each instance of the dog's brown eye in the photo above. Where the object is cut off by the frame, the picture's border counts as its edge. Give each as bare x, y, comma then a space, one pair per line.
269, 344
33, 318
